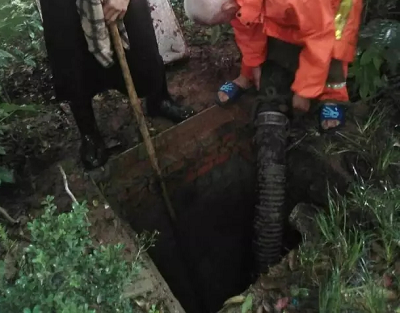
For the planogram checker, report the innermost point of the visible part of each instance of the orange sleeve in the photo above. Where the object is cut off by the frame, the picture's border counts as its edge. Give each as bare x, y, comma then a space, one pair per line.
252, 42
317, 35
345, 48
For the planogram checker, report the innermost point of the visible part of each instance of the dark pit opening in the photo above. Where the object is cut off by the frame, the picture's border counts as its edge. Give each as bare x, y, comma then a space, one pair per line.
212, 259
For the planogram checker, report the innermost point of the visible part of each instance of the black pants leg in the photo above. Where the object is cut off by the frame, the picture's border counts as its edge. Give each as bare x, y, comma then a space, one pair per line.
147, 66
93, 151
143, 57
83, 113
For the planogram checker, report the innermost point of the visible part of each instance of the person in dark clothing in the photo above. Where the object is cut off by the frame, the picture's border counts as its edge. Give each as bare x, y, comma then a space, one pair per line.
78, 76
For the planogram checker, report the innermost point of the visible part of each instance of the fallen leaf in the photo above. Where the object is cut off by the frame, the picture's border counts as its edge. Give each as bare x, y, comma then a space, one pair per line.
294, 290
293, 260
248, 304
235, 300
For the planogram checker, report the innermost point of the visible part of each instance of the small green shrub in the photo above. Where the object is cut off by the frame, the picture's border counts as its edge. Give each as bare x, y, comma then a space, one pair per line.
21, 44
62, 271
378, 55
21, 30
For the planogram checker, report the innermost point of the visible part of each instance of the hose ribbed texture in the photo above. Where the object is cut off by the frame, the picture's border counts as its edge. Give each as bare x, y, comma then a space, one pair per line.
269, 210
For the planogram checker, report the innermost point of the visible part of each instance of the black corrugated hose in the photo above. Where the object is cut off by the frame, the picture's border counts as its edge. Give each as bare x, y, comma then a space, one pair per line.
272, 130
271, 138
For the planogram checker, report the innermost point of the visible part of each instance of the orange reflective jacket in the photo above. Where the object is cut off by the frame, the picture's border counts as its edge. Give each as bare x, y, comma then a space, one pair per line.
325, 28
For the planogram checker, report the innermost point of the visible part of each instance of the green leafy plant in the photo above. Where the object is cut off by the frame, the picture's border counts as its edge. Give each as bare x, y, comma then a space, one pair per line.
21, 34
21, 27
378, 55
36, 309
63, 271
366, 71
330, 294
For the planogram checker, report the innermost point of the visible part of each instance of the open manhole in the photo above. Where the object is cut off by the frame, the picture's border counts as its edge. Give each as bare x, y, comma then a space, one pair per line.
210, 173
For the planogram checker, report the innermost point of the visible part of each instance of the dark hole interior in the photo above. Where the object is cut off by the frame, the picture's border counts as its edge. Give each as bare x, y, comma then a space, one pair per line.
211, 260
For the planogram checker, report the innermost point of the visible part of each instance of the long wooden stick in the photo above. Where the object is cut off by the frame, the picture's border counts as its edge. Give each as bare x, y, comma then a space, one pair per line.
137, 109
148, 143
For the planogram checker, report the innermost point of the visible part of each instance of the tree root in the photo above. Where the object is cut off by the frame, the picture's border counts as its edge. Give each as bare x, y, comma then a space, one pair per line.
66, 187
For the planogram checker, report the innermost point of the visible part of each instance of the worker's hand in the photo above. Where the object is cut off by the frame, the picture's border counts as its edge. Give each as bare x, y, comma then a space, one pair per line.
300, 103
257, 77
114, 9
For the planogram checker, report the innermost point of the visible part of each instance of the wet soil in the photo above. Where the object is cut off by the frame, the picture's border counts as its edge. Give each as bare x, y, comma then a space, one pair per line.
37, 142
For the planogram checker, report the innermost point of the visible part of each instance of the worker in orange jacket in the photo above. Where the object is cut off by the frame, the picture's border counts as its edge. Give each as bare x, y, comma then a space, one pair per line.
327, 31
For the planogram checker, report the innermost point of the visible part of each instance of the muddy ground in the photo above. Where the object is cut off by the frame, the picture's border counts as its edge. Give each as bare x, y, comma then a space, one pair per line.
35, 143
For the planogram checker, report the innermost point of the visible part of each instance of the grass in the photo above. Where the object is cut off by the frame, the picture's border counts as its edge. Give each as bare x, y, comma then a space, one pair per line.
354, 263
371, 147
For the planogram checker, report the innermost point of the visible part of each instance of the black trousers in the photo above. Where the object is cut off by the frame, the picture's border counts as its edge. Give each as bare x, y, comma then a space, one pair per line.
78, 76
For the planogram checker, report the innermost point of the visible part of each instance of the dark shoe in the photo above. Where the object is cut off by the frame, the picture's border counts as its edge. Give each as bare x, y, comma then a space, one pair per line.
171, 110
93, 152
